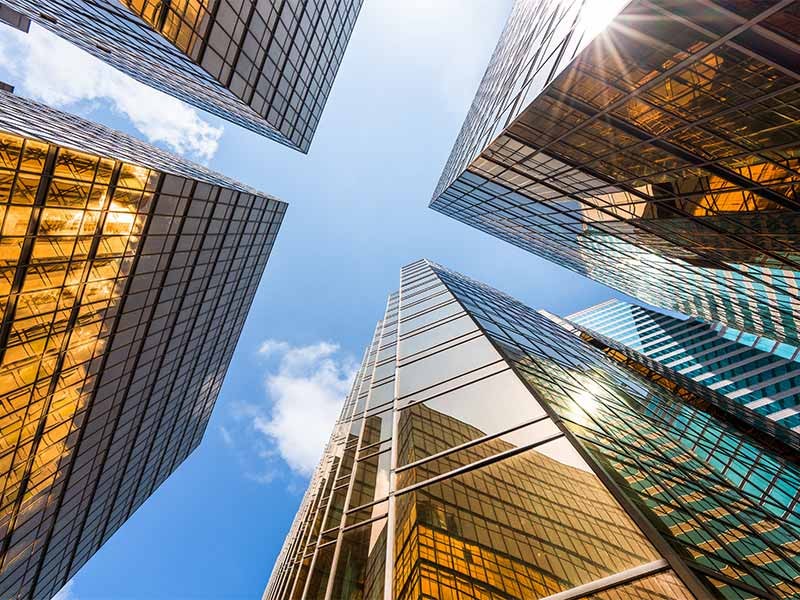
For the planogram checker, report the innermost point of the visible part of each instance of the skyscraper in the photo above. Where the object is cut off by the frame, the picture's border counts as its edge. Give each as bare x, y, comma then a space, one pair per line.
658, 155
267, 66
486, 452
126, 275
758, 373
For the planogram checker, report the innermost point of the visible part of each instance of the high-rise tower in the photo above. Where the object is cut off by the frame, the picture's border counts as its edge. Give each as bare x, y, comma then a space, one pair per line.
487, 452
658, 154
266, 65
126, 275
757, 373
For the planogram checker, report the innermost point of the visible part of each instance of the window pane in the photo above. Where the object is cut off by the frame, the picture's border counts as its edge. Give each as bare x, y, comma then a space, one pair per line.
525, 527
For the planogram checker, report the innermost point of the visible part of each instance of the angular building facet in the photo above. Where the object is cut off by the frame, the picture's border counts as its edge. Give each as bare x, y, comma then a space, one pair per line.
265, 65
487, 452
758, 373
658, 155
126, 275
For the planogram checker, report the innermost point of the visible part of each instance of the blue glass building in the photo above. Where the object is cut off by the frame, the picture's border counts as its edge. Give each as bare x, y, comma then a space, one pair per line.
759, 373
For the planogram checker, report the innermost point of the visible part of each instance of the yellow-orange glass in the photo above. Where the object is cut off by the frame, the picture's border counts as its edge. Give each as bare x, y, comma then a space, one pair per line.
61, 273
182, 22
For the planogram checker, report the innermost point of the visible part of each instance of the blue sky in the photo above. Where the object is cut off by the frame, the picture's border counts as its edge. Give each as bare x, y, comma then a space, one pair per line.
358, 212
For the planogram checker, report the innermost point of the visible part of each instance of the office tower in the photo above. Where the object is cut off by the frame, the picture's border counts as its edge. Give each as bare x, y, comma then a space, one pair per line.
658, 155
126, 275
486, 452
265, 65
757, 373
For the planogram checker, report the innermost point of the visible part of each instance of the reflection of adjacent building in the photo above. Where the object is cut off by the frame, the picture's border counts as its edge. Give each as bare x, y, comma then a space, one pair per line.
119, 267
497, 530
661, 138
529, 462
632, 427
267, 66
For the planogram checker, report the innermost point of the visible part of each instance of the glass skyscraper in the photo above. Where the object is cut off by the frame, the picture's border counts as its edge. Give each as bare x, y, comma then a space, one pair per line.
487, 452
266, 65
758, 373
126, 275
658, 154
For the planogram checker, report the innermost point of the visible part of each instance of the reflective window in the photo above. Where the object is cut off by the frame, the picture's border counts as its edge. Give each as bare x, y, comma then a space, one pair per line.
430, 338
361, 564
112, 295
528, 526
439, 437
371, 479
663, 586
444, 365
461, 415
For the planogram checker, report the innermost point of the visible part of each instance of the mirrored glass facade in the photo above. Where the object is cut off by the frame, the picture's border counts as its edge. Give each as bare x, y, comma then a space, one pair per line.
657, 154
487, 452
758, 373
266, 65
126, 275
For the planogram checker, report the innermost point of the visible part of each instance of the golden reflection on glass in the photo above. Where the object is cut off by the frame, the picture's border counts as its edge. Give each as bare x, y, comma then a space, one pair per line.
661, 150
663, 586
527, 526
361, 564
182, 22
452, 443
318, 579
70, 261
740, 191
511, 403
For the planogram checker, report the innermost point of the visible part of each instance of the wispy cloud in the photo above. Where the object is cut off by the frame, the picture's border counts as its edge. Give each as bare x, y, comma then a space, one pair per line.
305, 387
227, 438
51, 70
67, 592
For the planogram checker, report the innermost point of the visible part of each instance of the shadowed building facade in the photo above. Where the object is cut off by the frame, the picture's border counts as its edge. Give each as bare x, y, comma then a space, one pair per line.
658, 155
265, 65
126, 275
485, 451
757, 373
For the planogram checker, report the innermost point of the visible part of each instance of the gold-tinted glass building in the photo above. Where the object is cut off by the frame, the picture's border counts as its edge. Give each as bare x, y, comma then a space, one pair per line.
267, 65
126, 275
486, 452
658, 154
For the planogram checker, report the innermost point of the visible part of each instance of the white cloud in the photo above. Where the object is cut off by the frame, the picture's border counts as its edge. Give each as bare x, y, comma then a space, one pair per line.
67, 592
305, 392
227, 438
59, 74
269, 347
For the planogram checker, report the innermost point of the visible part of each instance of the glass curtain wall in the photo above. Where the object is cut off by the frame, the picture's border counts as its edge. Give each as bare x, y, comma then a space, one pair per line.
267, 66
523, 463
758, 373
657, 155
120, 266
